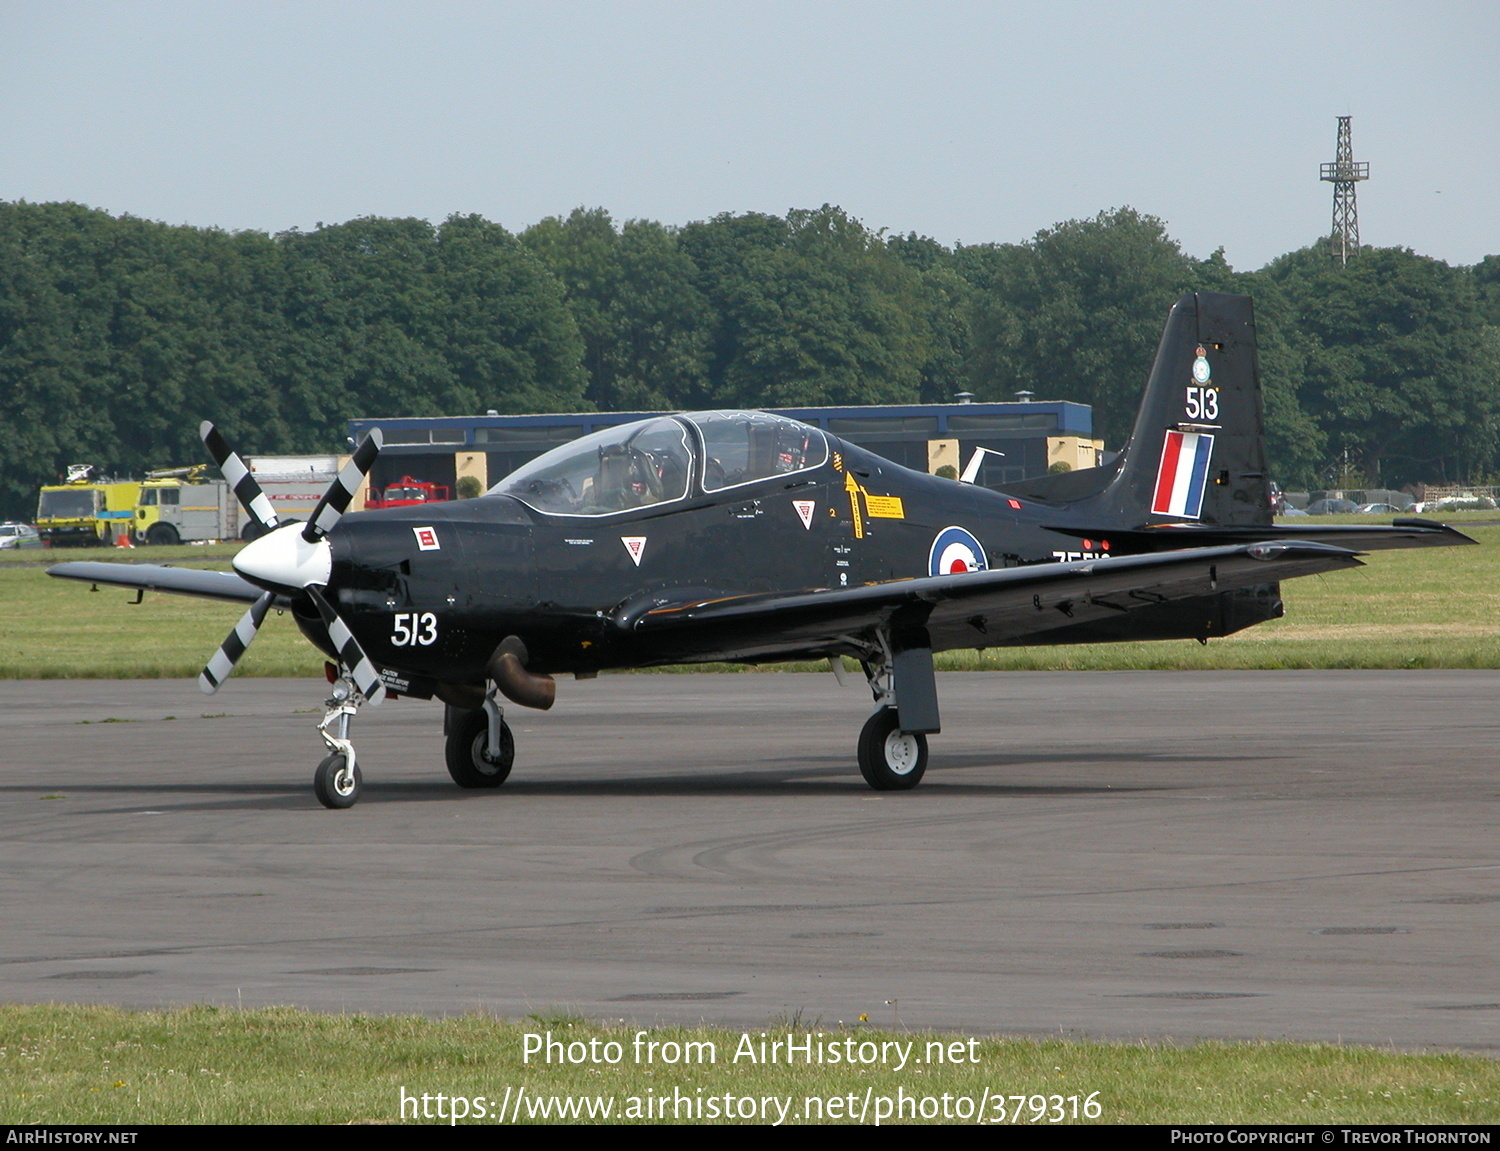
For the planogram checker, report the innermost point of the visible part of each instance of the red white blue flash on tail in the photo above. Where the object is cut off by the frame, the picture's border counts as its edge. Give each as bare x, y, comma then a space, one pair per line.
1183, 473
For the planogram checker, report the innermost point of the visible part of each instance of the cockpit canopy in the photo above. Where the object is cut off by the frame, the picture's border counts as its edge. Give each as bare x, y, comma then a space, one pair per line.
662, 460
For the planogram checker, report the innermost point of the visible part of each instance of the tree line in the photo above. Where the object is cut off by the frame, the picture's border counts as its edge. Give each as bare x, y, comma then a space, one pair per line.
117, 335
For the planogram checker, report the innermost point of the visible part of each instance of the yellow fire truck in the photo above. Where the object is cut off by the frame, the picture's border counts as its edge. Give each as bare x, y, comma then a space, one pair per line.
175, 505
86, 509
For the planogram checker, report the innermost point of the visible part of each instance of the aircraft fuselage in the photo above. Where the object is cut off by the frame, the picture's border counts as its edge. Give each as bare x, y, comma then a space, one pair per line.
431, 590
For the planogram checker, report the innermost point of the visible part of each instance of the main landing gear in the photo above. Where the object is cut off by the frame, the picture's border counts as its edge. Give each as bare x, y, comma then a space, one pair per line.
893, 742
891, 759
480, 748
337, 782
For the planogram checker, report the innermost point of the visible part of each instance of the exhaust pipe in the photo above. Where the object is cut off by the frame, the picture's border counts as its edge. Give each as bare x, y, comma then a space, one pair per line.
507, 667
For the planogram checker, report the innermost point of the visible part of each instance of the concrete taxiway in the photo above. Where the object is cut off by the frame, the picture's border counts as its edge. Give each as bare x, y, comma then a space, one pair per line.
1175, 855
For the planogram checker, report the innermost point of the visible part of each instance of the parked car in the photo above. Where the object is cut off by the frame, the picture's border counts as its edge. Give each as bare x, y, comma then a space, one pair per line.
1380, 509
16, 535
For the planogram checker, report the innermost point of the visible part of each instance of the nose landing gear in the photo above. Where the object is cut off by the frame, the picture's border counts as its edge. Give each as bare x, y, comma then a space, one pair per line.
337, 782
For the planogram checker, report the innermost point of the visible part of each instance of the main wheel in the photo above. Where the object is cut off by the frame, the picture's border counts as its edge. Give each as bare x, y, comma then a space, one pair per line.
162, 535
335, 783
890, 759
469, 763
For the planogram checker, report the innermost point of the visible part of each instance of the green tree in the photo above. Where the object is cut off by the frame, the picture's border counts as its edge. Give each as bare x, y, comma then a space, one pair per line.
1487, 282
1076, 312
645, 326
1399, 363
400, 317
117, 334
947, 307
50, 355
813, 309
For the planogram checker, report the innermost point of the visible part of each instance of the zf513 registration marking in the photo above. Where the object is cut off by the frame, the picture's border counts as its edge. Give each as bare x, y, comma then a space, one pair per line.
414, 629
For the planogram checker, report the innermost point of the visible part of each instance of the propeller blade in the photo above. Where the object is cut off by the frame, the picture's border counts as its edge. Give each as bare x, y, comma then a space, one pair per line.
351, 655
246, 490
234, 645
336, 499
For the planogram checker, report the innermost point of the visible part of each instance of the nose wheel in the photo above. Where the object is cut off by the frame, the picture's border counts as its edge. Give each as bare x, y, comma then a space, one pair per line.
337, 782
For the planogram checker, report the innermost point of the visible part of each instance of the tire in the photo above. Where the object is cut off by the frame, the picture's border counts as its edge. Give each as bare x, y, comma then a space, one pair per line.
162, 536
888, 759
335, 787
468, 764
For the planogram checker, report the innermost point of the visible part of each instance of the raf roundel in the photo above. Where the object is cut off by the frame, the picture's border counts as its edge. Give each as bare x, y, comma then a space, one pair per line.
955, 551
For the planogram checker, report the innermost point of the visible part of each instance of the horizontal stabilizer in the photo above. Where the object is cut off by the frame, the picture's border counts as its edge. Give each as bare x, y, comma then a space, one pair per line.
1403, 533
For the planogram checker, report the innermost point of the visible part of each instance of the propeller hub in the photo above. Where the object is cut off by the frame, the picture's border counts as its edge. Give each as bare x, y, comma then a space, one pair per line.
283, 560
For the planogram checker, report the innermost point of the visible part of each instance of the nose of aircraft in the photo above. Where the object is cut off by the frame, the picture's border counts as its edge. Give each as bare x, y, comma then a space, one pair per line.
283, 559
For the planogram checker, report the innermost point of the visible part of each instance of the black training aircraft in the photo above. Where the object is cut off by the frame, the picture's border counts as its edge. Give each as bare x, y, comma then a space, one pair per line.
749, 537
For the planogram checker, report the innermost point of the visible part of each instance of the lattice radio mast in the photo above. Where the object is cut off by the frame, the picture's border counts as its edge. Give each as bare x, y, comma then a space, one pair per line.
1343, 174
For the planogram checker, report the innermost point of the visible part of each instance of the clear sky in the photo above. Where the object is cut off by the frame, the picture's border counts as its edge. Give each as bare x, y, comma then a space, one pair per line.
972, 122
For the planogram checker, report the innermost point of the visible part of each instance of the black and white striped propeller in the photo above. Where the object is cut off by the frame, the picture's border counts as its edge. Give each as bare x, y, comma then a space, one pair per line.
246, 490
291, 560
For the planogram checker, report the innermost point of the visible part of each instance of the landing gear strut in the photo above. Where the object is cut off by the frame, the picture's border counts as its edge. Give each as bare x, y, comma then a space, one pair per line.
893, 742
337, 782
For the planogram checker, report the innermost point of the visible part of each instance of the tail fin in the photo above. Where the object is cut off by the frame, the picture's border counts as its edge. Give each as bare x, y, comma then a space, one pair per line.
1197, 453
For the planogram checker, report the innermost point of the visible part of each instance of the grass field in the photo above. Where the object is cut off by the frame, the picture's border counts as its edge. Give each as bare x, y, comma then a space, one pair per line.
98, 1065
59, 629
1421, 608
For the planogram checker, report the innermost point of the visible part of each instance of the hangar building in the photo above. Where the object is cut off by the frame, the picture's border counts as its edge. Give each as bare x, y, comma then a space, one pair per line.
1032, 437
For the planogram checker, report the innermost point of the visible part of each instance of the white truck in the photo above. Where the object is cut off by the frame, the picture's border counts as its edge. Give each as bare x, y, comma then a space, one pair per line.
182, 505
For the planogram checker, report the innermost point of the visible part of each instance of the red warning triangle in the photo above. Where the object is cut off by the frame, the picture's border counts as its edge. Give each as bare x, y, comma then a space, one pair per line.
805, 511
635, 545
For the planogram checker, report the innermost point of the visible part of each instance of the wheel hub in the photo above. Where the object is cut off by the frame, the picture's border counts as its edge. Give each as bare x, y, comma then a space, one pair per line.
901, 752
486, 761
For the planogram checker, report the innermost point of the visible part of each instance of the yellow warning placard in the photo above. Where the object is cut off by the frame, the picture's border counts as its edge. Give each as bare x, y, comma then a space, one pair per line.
884, 507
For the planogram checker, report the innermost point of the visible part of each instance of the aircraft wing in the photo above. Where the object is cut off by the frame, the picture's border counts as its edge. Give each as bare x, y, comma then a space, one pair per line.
975, 609
163, 577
